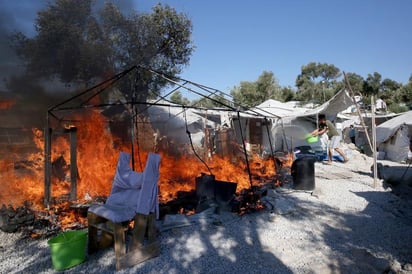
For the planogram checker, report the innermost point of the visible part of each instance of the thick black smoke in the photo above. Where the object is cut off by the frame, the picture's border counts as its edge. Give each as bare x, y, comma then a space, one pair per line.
14, 16
20, 16
33, 96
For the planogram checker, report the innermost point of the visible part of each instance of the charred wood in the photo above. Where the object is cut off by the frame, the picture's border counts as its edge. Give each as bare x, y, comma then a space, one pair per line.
12, 219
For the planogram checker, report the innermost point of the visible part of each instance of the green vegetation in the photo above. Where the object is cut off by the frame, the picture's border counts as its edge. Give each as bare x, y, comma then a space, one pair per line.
317, 83
78, 46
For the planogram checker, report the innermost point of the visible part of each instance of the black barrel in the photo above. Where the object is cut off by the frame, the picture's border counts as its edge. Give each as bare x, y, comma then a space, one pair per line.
303, 173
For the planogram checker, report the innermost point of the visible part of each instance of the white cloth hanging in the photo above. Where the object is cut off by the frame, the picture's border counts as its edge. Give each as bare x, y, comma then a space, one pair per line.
132, 192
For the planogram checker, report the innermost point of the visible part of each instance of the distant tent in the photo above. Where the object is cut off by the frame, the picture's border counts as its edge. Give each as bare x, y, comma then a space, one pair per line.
268, 127
274, 108
293, 124
394, 136
339, 102
175, 122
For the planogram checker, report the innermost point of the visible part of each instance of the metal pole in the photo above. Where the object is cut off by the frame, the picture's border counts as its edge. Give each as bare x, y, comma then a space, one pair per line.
47, 163
244, 150
132, 133
134, 122
323, 91
269, 135
73, 164
375, 166
358, 110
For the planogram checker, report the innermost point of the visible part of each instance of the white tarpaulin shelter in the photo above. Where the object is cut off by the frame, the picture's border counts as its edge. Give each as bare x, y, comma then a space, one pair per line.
393, 137
274, 108
339, 102
175, 121
293, 124
288, 124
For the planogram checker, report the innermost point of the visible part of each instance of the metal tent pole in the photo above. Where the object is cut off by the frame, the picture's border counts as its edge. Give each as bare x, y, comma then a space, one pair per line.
244, 150
375, 166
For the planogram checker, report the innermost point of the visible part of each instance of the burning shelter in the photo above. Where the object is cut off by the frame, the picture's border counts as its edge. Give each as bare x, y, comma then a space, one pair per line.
80, 144
192, 141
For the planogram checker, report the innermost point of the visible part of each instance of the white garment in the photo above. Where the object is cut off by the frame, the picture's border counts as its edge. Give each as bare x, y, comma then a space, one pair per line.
132, 192
324, 140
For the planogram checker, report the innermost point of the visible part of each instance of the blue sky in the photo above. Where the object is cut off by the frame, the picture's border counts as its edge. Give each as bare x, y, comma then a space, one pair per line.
236, 40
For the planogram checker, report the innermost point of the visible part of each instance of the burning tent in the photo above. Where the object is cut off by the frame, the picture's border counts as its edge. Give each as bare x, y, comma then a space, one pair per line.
75, 155
173, 124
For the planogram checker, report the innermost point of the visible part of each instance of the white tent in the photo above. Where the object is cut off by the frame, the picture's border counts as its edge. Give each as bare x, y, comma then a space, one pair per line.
274, 125
293, 124
394, 136
274, 108
175, 122
339, 102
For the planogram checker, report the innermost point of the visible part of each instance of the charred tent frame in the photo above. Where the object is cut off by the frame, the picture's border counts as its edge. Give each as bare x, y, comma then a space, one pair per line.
205, 92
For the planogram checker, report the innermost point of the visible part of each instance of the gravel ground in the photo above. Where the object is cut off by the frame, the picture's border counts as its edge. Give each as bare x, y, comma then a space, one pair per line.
345, 226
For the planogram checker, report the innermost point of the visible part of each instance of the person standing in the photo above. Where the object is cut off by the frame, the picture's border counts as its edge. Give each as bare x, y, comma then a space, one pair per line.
326, 126
352, 134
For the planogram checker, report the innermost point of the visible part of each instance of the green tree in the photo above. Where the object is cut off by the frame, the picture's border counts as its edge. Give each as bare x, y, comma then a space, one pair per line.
244, 94
74, 44
177, 98
287, 94
404, 95
372, 84
250, 94
159, 40
356, 82
267, 87
389, 85
215, 101
317, 82
389, 90
64, 29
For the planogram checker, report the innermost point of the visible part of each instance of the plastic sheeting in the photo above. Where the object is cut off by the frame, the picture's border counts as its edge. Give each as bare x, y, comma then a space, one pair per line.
294, 124
132, 192
393, 137
387, 129
174, 122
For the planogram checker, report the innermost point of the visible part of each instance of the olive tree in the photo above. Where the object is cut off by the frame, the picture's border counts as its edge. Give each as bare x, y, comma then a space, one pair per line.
75, 44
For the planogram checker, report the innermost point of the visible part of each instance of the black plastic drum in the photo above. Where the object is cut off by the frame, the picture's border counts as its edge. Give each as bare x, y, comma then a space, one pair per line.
303, 173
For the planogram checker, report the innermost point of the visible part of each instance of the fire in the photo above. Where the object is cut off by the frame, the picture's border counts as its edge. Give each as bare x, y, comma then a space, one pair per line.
6, 104
68, 217
97, 155
21, 180
179, 174
289, 160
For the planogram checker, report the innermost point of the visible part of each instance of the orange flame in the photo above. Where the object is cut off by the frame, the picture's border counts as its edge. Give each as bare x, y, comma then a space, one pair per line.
97, 155
6, 104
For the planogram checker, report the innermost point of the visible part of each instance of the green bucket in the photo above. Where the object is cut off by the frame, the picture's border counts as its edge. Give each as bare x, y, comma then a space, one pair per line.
312, 139
68, 249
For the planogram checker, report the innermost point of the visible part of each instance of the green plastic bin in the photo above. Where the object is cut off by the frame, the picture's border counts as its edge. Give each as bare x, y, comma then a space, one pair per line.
312, 139
68, 249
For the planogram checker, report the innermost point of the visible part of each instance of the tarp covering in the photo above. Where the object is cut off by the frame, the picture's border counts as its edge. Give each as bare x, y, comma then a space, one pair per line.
288, 121
296, 124
393, 138
339, 102
387, 129
132, 192
175, 121
274, 108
